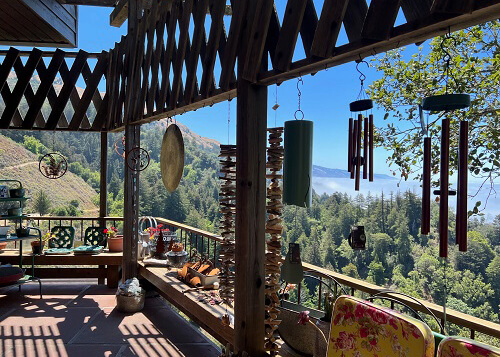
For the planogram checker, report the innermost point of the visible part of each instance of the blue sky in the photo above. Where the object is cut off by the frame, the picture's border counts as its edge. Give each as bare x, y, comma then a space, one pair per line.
325, 97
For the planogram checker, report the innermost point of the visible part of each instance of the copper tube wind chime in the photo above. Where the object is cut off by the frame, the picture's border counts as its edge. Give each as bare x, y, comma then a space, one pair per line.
274, 228
446, 103
360, 137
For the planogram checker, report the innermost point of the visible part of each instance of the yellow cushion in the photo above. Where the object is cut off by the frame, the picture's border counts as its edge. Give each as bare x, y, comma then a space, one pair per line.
455, 346
362, 329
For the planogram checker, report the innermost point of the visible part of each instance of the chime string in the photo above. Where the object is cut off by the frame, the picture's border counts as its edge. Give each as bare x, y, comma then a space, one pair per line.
299, 94
228, 119
276, 106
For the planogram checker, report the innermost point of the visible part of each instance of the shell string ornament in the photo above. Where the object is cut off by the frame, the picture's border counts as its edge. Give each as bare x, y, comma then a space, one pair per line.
227, 201
53, 165
274, 228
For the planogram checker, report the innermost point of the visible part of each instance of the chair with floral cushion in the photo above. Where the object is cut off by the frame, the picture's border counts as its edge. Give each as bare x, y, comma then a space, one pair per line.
360, 328
62, 237
455, 346
95, 236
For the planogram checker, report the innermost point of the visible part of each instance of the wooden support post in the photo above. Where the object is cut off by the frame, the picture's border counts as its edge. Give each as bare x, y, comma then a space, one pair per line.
130, 207
103, 193
249, 302
132, 140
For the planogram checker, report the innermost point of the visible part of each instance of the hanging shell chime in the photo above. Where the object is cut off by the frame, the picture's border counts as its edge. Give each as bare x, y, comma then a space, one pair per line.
227, 201
274, 228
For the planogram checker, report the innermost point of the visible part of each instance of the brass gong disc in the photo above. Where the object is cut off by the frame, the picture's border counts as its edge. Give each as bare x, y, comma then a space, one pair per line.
172, 157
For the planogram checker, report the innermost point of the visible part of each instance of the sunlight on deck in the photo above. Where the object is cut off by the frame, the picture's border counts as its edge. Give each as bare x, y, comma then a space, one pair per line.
80, 319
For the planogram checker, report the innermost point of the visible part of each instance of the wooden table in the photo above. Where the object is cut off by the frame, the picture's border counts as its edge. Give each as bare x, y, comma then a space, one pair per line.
80, 266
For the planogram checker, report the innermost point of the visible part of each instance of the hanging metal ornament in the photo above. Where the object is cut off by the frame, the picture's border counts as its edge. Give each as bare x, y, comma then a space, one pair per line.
53, 165
172, 157
120, 147
356, 158
138, 159
297, 168
445, 103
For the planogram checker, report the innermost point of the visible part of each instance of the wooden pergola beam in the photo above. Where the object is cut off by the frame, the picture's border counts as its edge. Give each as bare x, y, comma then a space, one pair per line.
105, 3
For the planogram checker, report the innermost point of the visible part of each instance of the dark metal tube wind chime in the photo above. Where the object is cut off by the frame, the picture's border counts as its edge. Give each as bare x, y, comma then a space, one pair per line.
360, 134
445, 103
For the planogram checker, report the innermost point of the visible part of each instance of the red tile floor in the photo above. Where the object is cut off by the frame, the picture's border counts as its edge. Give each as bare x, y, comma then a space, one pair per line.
80, 319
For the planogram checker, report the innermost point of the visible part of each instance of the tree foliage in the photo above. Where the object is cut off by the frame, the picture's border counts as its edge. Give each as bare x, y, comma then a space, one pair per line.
407, 79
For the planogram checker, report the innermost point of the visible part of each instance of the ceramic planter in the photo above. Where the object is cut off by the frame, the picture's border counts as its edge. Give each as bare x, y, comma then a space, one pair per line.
130, 304
115, 244
301, 338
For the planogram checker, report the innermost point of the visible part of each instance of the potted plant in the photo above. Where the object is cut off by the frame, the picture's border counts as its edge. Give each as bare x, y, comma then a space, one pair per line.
38, 245
115, 241
130, 296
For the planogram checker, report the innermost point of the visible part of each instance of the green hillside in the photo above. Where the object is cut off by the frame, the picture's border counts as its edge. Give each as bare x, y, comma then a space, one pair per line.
16, 162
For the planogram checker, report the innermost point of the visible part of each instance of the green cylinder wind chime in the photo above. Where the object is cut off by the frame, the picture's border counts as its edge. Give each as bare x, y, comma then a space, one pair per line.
297, 166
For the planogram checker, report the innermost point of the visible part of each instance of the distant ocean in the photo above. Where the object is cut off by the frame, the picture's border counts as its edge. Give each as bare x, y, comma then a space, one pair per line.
330, 185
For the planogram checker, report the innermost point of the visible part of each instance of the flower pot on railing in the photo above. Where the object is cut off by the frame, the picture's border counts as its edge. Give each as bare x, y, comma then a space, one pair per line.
36, 247
115, 244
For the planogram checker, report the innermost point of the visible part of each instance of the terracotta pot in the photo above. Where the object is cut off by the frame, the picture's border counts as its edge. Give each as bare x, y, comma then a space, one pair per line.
3, 245
115, 244
36, 248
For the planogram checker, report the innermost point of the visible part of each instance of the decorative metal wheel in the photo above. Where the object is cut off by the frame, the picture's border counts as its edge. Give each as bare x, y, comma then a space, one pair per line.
120, 147
138, 159
53, 165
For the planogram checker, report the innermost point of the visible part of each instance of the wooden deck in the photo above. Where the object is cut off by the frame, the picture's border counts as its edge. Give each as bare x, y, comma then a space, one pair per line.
102, 266
78, 318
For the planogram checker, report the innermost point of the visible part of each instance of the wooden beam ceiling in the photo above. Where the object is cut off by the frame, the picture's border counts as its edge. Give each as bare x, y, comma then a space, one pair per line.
106, 3
166, 70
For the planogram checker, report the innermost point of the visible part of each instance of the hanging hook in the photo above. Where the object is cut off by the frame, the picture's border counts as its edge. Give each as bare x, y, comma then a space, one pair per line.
299, 93
362, 76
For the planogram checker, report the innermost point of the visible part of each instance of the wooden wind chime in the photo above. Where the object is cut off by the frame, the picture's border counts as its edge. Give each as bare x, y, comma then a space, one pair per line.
446, 103
274, 227
360, 151
227, 200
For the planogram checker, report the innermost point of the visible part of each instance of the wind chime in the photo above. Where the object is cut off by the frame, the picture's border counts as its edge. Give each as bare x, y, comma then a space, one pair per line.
274, 227
53, 165
445, 103
227, 201
355, 157
297, 168
119, 147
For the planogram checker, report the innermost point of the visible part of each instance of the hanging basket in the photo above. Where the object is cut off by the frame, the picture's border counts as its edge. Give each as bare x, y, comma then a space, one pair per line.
444, 102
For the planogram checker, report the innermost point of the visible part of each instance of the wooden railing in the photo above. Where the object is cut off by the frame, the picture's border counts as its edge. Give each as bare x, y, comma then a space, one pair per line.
193, 238
45, 223
209, 243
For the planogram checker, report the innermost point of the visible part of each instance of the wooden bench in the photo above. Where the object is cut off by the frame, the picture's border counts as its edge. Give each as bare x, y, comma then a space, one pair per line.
80, 266
205, 315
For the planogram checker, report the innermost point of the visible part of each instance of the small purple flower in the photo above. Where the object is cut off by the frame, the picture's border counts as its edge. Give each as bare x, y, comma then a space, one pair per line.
303, 318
